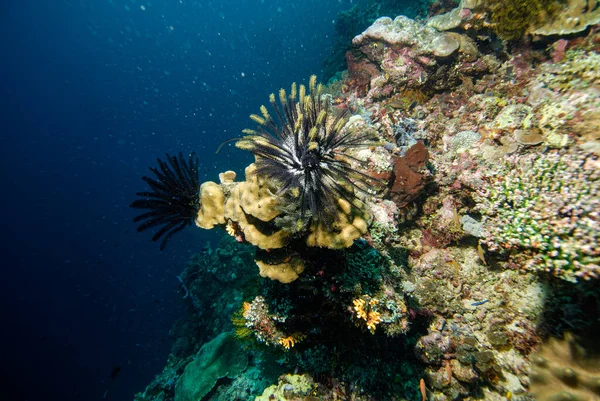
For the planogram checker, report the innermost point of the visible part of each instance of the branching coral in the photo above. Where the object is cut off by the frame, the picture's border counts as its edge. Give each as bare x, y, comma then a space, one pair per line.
289, 341
173, 200
547, 207
305, 149
364, 310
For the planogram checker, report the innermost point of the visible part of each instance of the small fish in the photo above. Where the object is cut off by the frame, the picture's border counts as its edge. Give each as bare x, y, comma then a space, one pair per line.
456, 217
480, 253
423, 390
480, 302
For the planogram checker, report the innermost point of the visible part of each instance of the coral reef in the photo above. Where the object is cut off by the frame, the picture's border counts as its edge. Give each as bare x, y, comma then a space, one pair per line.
353, 21
307, 183
447, 285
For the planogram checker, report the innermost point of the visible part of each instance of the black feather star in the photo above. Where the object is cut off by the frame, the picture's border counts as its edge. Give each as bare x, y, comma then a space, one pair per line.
173, 201
305, 150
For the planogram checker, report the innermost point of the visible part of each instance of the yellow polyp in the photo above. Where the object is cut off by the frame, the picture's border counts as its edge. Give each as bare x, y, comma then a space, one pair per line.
293, 91
244, 145
287, 342
312, 145
340, 124
298, 122
265, 112
373, 319
319, 90
249, 131
307, 105
302, 93
359, 308
258, 119
308, 102
312, 83
272, 98
313, 133
282, 98
321, 117
295, 192
230, 229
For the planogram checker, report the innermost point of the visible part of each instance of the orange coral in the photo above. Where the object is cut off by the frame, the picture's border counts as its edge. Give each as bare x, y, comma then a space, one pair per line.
371, 317
290, 341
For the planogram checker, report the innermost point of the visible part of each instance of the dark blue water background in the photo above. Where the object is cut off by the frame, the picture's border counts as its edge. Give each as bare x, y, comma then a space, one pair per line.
92, 93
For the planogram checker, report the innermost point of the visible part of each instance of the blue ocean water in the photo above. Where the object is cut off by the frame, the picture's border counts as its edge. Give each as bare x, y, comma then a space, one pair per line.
92, 93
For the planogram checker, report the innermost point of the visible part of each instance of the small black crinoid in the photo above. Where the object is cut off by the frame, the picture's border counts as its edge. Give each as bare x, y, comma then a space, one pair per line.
304, 150
173, 201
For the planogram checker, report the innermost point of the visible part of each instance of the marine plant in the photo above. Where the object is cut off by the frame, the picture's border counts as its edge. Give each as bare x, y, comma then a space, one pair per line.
305, 149
172, 201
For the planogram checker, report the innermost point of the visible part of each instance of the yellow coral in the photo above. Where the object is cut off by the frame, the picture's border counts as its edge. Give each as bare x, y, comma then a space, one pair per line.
373, 319
252, 206
348, 228
287, 342
284, 272
359, 308
290, 341
212, 201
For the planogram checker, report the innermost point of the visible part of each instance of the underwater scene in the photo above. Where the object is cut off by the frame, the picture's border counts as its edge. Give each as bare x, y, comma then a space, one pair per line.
256, 200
